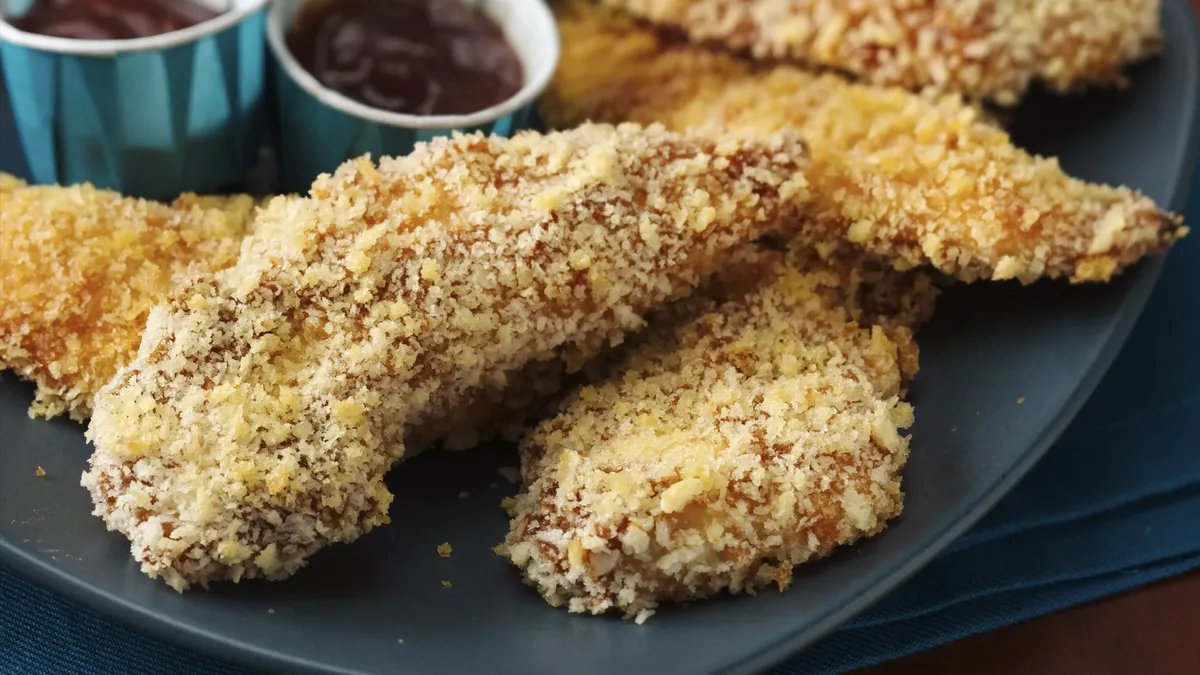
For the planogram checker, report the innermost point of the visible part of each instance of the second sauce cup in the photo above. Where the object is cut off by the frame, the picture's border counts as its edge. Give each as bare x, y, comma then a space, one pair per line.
320, 127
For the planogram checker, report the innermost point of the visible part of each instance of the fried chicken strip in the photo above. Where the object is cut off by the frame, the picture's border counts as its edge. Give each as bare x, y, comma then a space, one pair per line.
752, 434
79, 270
491, 413
267, 401
45, 329
904, 177
982, 48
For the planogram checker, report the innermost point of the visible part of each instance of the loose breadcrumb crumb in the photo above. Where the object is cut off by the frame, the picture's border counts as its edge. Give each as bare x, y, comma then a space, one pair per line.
445, 550
1020, 400
40, 472
267, 401
914, 179
79, 270
755, 428
447, 584
985, 48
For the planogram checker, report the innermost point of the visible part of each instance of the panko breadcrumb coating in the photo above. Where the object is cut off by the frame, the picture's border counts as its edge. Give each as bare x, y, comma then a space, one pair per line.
983, 48
759, 431
267, 401
79, 270
500, 411
9, 182
95, 357
908, 178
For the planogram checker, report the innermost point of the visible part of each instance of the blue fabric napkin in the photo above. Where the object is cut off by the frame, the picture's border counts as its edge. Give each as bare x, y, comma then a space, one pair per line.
1113, 506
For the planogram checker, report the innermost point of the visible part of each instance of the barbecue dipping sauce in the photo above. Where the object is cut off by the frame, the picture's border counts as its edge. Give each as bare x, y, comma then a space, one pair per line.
111, 19
420, 57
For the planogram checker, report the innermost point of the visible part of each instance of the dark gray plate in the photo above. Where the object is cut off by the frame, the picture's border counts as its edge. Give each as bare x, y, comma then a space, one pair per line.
348, 611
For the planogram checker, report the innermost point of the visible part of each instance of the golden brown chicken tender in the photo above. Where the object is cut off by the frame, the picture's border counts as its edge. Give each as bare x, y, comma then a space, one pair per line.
908, 178
984, 48
750, 432
79, 270
499, 411
267, 402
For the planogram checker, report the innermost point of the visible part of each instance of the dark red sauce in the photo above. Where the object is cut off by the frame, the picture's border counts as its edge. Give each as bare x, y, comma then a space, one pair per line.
421, 57
111, 19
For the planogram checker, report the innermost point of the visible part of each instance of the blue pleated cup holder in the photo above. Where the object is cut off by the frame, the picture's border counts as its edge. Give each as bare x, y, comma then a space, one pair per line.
320, 128
150, 117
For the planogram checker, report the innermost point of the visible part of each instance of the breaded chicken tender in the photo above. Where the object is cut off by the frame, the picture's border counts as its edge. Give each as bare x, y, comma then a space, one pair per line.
496, 412
982, 48
752, 433
267, 402
904, 177
9, 182
79, 270
487, 414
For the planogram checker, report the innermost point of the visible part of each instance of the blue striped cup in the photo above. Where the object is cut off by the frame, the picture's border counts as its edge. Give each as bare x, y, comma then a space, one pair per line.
150, 117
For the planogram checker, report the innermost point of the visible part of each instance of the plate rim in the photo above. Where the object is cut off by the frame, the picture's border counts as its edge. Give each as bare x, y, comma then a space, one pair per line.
197, 638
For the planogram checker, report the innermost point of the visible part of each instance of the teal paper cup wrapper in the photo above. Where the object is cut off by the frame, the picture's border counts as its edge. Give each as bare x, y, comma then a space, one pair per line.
150, 117
320, 128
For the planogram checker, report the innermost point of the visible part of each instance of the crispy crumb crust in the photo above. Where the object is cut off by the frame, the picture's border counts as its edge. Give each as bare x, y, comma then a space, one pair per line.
267, 402
916, 180
79, 270
490, 413
983, 48
751, 431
